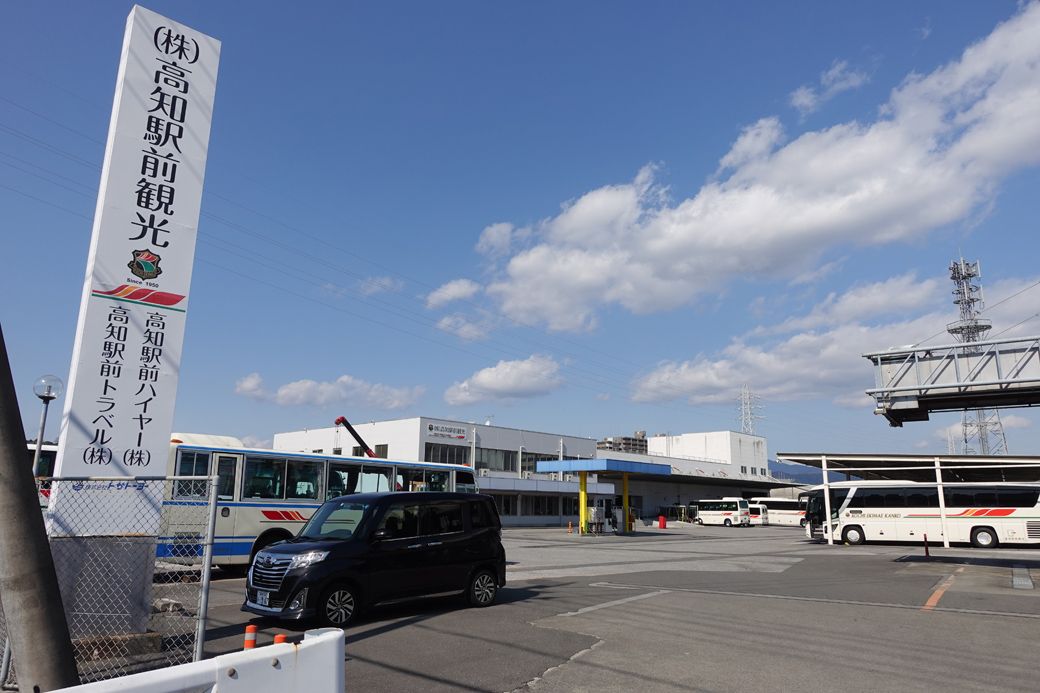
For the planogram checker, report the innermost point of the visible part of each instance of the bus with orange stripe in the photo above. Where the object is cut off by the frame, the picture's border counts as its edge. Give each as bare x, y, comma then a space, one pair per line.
264, 496
985, 515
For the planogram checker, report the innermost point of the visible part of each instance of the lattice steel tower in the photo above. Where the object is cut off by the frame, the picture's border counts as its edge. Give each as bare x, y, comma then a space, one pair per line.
749, 407
981, 430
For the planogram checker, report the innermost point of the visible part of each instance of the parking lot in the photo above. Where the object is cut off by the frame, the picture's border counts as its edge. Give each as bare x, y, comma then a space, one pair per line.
702, 608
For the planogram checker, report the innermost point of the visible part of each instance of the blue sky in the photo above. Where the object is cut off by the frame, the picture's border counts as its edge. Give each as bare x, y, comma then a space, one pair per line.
585, 218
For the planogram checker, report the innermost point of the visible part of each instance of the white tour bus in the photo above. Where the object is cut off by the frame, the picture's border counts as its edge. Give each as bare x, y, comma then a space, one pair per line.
264, 496
758, 514
787, 512
983, 514
723, 511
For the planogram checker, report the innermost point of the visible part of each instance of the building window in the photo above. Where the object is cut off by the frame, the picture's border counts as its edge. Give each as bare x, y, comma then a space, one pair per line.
506, 504
358, 451
318, 451
764, 472
337, 451
447, 454
382, 451
539, 505
743, 469
570, 505
754, 471
496, 460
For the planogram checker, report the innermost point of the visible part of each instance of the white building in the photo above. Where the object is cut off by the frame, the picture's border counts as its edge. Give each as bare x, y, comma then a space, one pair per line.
743, 452
505, 460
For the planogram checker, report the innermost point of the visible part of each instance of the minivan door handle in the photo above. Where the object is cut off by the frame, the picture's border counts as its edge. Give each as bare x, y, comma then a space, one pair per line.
414, 546
434, 543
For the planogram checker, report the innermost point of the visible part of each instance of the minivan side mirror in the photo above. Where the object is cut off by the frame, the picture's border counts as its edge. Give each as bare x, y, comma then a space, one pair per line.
381, 534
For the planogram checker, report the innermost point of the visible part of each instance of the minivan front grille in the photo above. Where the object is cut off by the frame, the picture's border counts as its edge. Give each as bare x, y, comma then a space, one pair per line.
269, 571
1033, 530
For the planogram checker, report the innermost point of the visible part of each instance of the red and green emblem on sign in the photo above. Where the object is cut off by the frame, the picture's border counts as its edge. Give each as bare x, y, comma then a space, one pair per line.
145, 264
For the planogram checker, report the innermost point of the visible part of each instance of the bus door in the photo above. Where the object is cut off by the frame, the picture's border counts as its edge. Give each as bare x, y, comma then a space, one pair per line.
226, 467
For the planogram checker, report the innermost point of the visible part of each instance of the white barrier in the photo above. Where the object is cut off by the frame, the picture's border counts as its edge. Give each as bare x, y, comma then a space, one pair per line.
314, 666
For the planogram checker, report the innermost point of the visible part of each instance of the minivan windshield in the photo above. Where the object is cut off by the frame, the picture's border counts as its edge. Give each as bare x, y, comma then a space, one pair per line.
335, 520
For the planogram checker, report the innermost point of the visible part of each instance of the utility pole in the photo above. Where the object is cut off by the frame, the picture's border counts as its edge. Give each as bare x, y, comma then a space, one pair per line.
36, 626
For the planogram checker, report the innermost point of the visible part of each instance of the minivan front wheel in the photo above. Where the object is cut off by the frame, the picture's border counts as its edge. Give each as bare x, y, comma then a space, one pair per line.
338, 606
483, 588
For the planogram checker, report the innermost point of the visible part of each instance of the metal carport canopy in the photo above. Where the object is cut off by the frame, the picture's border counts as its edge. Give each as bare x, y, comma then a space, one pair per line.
603, 467
901, 467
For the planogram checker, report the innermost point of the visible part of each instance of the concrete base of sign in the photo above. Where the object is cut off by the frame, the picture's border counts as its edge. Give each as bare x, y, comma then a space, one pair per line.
106, 583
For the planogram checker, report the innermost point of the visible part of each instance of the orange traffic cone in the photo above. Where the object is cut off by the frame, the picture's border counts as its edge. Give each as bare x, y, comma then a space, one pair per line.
250, 641
279, 638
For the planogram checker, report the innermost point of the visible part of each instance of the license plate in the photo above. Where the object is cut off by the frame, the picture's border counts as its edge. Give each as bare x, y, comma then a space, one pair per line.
263, 598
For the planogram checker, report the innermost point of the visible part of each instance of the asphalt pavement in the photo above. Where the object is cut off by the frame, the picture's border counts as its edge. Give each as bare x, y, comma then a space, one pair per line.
700, 609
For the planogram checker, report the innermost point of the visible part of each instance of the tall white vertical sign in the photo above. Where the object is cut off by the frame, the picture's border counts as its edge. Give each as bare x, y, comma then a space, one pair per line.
123, 381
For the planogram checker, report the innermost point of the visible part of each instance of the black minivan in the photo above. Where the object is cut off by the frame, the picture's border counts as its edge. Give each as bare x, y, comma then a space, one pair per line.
371, 548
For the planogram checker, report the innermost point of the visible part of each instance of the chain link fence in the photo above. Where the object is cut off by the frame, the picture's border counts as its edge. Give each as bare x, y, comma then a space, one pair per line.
135, 599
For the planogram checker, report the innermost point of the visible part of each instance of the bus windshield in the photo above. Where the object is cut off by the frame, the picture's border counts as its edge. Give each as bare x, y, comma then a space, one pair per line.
335, 520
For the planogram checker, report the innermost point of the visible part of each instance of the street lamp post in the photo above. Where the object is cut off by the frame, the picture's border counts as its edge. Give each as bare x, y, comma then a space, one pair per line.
47, 388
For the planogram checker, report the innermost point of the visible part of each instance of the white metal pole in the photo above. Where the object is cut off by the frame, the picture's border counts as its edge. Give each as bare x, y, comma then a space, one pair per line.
827, 502
473, 450
520, 462
942, 503
561, 448
207, 563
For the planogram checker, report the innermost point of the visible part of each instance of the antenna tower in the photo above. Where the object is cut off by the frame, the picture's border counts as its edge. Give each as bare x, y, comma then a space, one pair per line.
749, 407
981, 430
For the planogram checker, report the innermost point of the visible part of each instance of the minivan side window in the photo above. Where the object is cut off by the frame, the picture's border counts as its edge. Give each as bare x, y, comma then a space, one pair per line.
401, 521
440, 518
480, 515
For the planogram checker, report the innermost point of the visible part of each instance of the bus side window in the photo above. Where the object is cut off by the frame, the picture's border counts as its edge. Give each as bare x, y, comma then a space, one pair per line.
374, 478
343, 479
265, 478
303, 479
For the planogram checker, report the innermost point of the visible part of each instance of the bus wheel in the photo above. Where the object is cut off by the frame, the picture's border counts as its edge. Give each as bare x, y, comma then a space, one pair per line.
983, 538
727, 523
853, 535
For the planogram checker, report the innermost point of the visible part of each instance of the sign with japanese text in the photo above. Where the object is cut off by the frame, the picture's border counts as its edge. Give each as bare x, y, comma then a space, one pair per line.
123, 380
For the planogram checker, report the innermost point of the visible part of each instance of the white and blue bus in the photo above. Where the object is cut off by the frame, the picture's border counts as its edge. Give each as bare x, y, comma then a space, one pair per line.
264, 496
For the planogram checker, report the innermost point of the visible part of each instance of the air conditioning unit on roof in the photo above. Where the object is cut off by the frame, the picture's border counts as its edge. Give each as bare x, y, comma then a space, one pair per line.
482, 472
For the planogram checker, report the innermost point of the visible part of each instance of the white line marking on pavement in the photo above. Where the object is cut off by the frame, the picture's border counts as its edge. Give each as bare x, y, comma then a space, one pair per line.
820, 600
616, 602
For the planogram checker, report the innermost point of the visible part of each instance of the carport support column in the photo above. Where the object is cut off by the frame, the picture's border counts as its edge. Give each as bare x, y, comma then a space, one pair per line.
583, 501
942, 502
624, 502
827, 527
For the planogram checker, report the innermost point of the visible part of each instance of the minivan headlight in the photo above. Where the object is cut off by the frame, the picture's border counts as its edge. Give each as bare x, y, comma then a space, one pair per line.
305, 559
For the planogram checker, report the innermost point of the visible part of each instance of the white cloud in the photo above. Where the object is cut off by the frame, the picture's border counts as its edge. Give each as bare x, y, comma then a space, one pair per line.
252, 386
377, 285
256, 442
895, 296
537, 375
755, 142
1012, 421
344, 389
455, 290
464, 328
495, 240
934, 156
833, 81
820, 353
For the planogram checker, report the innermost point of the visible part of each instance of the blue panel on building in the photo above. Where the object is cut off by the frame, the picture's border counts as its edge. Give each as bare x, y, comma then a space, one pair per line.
603, 465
